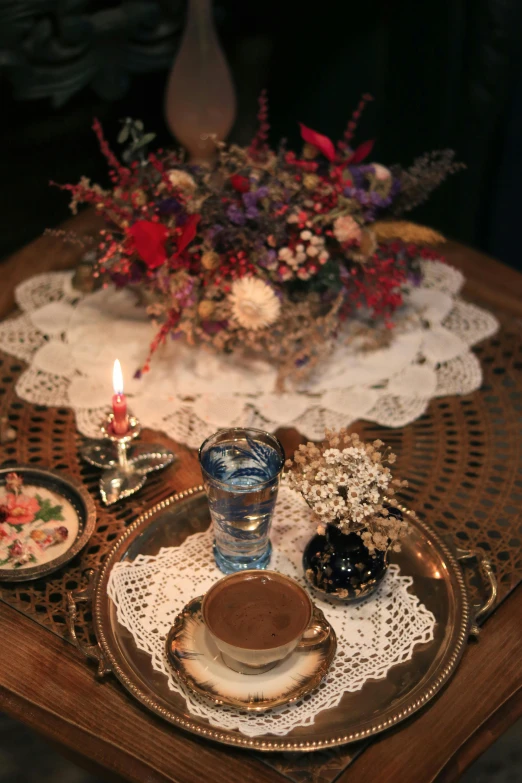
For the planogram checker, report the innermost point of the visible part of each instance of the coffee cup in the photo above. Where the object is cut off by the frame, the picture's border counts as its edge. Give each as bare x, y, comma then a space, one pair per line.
258, 618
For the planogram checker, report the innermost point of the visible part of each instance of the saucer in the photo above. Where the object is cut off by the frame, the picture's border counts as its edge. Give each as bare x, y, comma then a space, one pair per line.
193, 654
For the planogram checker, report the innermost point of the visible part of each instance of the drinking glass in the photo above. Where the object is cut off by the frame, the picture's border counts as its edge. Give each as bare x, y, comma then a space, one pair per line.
241, 472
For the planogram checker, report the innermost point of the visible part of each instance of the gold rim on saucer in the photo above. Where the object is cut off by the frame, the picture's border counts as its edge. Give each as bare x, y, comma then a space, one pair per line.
198, 664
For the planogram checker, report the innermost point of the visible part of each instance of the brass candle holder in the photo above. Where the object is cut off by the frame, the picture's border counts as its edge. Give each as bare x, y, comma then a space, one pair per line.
125, 467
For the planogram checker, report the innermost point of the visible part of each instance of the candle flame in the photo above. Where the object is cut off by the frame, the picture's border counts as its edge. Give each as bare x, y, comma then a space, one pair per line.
117, 378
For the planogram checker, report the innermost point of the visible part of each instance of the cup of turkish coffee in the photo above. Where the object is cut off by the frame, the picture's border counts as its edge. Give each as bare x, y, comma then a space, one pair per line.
257, 618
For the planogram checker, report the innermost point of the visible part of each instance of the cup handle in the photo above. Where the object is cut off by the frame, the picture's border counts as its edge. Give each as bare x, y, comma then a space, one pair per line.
317, 632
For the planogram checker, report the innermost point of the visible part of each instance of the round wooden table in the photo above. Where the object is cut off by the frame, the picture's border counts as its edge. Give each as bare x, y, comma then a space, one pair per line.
48, 685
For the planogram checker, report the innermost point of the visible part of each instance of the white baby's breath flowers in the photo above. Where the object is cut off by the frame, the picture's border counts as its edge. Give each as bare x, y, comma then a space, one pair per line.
254, 303
345, 481
310, 251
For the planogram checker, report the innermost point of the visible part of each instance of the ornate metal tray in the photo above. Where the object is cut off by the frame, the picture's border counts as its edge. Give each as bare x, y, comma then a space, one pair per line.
438, 582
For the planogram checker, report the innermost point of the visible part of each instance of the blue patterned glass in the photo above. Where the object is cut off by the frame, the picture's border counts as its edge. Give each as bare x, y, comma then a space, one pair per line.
241, 471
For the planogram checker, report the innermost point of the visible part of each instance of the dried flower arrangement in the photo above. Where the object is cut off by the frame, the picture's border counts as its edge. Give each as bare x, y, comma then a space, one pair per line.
345, 481
264, 250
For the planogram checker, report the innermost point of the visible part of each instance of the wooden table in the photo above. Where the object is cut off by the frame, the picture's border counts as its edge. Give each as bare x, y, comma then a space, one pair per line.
46, 683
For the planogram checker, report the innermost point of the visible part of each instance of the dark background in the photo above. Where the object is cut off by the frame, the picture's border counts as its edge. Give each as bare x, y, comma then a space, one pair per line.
444, 73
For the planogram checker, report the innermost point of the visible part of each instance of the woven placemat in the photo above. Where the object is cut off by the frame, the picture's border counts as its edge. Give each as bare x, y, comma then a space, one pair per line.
463, 461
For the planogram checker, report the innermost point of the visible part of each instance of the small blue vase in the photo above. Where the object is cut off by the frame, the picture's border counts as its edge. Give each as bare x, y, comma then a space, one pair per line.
341, 566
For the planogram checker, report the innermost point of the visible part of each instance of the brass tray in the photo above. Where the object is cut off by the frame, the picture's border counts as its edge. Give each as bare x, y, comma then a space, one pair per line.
438, 582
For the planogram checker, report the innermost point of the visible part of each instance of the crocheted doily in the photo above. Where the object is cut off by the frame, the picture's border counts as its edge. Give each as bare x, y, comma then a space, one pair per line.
70, 342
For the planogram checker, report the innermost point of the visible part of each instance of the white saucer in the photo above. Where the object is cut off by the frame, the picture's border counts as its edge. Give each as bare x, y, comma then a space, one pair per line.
197, 661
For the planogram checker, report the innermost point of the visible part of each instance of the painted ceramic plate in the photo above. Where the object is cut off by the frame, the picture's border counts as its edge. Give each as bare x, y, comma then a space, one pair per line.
45, 519
198, 663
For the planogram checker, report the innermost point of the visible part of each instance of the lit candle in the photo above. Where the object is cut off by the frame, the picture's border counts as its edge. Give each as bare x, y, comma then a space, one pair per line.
120, 424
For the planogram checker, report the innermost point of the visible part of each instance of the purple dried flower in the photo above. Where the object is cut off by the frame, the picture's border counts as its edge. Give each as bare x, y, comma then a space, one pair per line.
358, 175
213, 327
268, 260
415, 277
236, 215
169, 206
249, 199
376, 198
135, 275
214, 231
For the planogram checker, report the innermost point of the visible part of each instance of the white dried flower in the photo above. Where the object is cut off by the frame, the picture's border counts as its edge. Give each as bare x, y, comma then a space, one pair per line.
254, 303
182, 180
345, 486
332, 456
285, 254
315, 491
381, 172
346, 229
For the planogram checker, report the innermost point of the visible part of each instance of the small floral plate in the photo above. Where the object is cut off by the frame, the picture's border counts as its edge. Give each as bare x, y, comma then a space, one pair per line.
45, 519
197, 661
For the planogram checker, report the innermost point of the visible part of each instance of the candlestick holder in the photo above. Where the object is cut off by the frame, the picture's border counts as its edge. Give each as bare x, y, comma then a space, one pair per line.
125, 468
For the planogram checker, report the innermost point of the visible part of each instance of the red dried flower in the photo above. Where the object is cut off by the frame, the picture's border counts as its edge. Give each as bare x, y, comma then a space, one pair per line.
187, 235
149, 241
239, 183
323, 143
362, 152
259, 145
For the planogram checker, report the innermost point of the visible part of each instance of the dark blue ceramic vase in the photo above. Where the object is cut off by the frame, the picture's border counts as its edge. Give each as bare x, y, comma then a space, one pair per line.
340, 565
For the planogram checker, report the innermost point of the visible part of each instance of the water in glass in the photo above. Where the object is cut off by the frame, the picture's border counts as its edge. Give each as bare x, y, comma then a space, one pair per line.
242, 478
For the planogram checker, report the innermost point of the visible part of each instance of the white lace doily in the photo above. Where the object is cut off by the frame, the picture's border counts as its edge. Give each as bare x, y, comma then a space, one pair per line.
70, 342
372, 636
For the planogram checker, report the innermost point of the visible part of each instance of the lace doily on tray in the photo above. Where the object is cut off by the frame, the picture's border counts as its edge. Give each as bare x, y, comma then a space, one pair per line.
70, 342
372, 636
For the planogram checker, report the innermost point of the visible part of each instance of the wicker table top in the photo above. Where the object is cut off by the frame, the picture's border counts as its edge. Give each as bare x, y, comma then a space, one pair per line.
464, 463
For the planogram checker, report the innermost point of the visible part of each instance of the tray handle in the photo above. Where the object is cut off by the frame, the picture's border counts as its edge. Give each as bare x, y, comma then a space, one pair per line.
486, 571
91, 651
